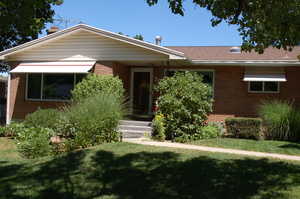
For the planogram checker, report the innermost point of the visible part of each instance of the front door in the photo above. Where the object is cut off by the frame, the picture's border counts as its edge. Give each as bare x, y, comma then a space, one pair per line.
141, 91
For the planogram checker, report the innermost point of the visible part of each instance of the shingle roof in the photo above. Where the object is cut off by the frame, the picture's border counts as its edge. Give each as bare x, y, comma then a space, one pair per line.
223, 53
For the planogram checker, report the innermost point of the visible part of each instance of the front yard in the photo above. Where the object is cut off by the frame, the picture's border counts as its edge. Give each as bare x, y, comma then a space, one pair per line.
269, 146
123, 170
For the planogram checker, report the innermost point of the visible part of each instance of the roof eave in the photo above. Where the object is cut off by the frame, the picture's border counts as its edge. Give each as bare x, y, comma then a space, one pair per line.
271, 63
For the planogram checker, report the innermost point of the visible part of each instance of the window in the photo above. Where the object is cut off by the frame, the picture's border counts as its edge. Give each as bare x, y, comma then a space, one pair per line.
208, 76
51, 86
264, 87
34, 83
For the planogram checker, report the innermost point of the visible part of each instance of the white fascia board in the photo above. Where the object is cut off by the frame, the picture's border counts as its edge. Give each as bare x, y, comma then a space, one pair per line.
247, 63
34, 43
174, 57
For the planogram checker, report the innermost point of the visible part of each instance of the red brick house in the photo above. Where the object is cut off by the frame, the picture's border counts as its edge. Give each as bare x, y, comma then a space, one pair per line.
44, 71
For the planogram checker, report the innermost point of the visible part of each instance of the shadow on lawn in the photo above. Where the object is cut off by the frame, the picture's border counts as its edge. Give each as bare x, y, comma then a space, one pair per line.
147, 175
291, 146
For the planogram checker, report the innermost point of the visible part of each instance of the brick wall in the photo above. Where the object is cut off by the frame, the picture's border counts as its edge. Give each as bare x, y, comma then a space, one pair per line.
19, 107
231, 97
231, 92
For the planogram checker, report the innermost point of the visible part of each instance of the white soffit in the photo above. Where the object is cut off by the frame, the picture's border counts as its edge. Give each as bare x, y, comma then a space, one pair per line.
54, 67
265, 78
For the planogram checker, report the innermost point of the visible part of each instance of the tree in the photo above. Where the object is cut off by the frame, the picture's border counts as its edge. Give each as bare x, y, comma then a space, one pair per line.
139, 37
23, 20
261, 23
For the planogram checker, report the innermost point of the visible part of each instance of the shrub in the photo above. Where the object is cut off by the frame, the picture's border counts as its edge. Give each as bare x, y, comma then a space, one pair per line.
158, 128
281, 119
34, 142
220, 126
2, 131
13, 129
94, 120
210, 131
94, 84
185, 101
47, 118
244, 127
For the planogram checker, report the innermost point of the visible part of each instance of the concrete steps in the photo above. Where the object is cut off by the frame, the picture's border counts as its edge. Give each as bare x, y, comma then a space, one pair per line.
135, 129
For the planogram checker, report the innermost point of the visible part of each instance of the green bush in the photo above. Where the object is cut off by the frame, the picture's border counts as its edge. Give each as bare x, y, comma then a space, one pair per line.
158, 132
94, 84
210, 131
34, 142
244, 127
46, 118
185, 101
2, 131
281, 119
12, 129
94, 120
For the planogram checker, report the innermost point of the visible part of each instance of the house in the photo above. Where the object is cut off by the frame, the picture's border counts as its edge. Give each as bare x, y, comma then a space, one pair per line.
3, 92
43, 71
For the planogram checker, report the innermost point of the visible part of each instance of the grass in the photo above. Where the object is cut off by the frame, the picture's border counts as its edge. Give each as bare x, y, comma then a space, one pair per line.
8, 150
282, 147
123, 170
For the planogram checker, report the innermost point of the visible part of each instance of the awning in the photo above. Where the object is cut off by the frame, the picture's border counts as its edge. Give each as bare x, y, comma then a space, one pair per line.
54, 67
265, 78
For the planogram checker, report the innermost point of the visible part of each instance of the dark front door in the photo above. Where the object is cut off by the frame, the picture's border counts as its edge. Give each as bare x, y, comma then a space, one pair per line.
141, 92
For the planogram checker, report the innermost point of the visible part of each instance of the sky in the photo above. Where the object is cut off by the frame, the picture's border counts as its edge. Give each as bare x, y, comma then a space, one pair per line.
134, 17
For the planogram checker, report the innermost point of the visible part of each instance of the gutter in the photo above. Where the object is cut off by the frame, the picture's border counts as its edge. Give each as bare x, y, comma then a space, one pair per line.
272, 63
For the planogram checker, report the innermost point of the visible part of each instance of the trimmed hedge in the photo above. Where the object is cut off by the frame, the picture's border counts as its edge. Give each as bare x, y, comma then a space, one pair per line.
243, 127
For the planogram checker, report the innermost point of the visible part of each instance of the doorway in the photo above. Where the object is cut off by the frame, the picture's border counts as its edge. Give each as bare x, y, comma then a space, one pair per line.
141, 91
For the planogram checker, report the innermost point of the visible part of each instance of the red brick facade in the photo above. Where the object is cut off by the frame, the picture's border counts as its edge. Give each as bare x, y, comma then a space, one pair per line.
230, 91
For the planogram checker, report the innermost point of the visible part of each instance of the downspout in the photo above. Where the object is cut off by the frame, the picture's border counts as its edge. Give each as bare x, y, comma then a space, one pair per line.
8, 97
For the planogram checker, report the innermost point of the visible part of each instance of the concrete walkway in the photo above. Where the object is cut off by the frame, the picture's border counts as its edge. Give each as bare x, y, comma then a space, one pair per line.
213, 149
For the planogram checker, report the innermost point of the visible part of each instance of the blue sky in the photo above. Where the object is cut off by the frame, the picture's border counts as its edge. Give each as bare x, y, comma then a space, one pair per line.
137, 17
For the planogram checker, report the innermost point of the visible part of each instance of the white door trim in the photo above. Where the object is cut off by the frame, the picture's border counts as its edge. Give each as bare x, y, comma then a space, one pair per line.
133, 70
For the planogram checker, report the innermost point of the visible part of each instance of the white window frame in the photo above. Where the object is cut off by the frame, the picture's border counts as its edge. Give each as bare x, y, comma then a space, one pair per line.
263, 91
202, 70
42, 85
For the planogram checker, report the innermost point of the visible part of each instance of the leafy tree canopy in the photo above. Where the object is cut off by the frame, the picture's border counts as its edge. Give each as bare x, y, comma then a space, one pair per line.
139, 37
261, 23
23, 20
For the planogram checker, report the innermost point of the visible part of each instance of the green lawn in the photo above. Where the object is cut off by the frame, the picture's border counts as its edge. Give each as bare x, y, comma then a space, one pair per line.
129, 171
283, 147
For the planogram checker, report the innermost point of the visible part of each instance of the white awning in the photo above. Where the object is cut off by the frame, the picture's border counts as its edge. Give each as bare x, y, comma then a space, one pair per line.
54, 67
264, 78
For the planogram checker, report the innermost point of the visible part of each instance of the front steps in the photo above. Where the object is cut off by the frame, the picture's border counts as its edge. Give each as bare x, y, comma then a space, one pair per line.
135, 129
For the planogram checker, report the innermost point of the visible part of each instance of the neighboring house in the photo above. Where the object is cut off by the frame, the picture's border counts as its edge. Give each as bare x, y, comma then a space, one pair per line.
44, 71
3, 93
